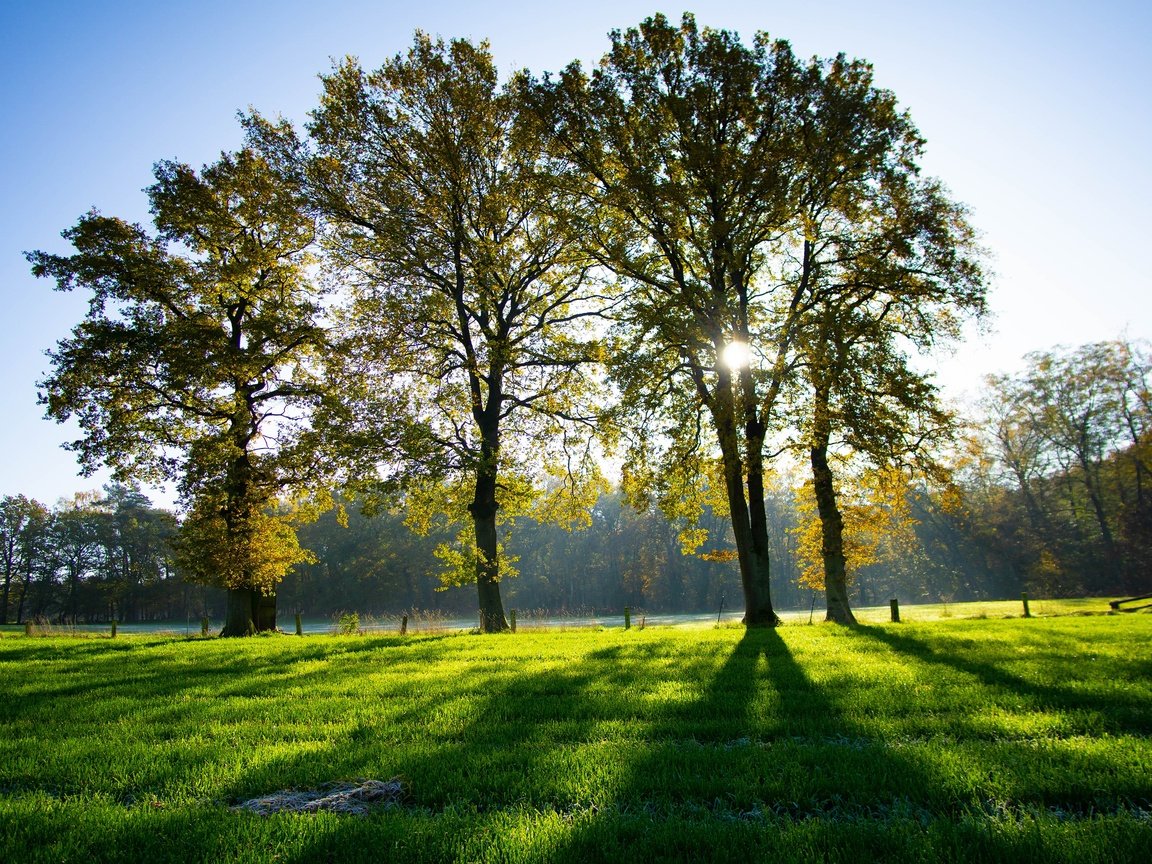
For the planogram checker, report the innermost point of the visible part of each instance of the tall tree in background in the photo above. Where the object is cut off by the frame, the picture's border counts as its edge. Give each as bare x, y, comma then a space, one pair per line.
1072, 432
23, 528
137, 547
195, 363
75, 547
464, 365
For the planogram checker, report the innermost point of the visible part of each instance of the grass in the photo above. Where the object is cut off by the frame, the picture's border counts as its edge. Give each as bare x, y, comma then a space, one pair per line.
943, 740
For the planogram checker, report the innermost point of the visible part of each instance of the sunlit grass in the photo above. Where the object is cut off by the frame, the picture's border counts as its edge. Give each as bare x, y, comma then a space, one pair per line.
963, 739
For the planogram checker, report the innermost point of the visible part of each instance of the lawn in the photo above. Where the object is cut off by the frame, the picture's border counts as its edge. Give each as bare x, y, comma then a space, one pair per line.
933, 740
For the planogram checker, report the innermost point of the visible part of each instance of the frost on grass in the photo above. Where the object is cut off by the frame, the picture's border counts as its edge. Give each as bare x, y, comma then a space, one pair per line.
356, 798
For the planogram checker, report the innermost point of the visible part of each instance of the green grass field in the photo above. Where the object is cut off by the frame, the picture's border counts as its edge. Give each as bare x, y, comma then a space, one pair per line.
965, 739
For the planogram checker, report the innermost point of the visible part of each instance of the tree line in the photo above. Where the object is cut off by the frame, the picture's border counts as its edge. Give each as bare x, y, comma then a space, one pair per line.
1013, 511
453, 297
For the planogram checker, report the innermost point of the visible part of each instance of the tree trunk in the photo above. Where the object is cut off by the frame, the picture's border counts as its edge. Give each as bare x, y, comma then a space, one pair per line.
240, 615
265, 617
483, 509
831, 522
754, 566
4, 601
758, 611
484, 504
23, 596
248, 612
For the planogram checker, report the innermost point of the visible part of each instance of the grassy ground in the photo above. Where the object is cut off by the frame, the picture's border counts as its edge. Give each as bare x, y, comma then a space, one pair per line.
955, 739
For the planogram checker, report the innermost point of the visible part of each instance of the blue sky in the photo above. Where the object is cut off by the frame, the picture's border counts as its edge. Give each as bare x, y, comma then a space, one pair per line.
1037, 115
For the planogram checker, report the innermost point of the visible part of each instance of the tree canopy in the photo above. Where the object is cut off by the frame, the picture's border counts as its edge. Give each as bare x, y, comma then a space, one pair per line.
706, 249
748, 199
464, 365
196, 360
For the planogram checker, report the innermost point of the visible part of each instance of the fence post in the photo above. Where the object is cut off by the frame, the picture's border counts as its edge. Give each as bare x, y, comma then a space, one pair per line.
27, 628
404, 625
627, 617
1024, 598
113, 629
895, 604
512, 623
204, 626
299, 625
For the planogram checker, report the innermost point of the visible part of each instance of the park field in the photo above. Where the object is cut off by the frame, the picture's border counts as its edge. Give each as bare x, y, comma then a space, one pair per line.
949, 739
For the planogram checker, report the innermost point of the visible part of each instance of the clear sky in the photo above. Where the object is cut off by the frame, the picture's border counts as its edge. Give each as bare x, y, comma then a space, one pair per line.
1037, 115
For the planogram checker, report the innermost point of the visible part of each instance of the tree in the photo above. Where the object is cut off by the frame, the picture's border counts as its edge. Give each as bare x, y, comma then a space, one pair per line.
137, 548
463, 371
1071, 432
196, 362
75, 548
23, 525
892, 266
681, 162
749, 200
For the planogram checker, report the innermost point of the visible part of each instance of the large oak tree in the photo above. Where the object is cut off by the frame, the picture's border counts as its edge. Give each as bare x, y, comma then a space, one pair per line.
196, 363
680, 152
747, 199
464, 359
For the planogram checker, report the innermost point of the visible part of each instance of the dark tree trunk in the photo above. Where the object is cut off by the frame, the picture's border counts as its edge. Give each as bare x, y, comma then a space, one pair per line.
265, 612
240, 613
831, 522
249, 611
23, 597
758, 611
484, 504
749, 526
4, 601
483, 509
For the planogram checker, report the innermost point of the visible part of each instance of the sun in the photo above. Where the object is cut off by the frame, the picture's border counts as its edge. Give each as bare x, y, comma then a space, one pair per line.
736, 355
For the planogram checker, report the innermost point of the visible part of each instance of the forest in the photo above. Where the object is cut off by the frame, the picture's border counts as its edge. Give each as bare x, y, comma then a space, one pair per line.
651, 335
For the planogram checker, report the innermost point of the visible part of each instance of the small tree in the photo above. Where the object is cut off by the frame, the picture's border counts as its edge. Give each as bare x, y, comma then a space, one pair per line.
196, 361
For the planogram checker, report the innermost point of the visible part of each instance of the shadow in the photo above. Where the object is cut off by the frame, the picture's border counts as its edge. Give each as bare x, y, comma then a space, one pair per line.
1119, 713
726, 745
759, 751
155, 698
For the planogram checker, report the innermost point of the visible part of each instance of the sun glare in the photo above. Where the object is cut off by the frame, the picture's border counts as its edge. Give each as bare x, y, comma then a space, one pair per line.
736, 355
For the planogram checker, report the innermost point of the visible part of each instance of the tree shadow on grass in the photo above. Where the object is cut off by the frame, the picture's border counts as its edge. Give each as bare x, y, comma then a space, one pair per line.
1113, 713
692, 768
720, 750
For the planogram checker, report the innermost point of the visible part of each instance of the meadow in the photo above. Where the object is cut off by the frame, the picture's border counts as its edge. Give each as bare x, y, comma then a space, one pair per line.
948, 738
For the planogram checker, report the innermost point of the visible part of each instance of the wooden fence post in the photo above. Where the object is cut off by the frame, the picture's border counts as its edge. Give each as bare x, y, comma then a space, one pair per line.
627, 617
895, 604
404, 625
1024, 598
299, 625
512, 623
